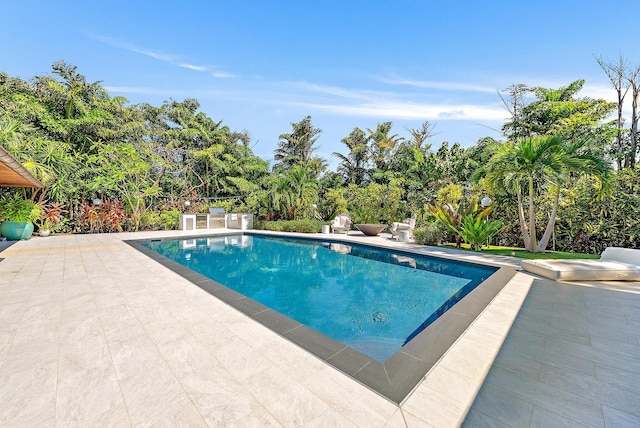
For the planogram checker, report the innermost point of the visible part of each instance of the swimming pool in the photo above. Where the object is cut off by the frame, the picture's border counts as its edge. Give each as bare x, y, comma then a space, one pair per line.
372, 300
389, 351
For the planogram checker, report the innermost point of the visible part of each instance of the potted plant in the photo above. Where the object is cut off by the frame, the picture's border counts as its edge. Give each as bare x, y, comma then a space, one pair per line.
51, 217
18, 216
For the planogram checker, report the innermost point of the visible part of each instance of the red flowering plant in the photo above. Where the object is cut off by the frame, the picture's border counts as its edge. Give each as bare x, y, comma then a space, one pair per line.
108, 216
113, 215
51, 216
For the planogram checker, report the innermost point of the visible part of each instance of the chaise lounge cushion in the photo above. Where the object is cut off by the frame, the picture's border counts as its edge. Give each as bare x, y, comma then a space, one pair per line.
341, 224
615, 264
409, 224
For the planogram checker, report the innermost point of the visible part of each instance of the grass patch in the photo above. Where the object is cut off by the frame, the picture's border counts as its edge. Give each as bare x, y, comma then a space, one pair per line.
522, 254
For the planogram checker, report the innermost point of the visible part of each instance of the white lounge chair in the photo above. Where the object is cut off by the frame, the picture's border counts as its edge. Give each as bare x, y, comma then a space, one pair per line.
407, 225
341, 224
615, 264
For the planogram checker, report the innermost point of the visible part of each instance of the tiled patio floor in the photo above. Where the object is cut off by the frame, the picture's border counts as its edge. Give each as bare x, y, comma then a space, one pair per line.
93, 333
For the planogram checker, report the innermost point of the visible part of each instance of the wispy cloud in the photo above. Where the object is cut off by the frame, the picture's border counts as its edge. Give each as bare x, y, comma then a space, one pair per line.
328, 90
591, 90
384, 104
194, 67
223, 74
445, 86
171, 59
413, 111
599, 92
336, 100
147, 91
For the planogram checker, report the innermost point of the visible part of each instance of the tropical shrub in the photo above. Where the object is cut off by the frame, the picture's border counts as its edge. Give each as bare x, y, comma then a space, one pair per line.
468, 223
170, 220
51, 216
165, 220
431, 234
113, 215
450, 218
476, 230
88, 221
333, 204
150, 220
376, 203
14, 208
109, 216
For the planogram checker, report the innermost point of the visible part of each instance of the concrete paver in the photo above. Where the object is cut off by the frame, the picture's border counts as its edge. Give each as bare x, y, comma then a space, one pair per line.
94, 333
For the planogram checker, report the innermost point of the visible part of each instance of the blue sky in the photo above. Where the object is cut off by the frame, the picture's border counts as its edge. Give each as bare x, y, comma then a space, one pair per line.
261, 65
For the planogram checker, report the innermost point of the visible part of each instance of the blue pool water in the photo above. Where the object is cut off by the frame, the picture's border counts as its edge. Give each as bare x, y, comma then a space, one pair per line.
370, 299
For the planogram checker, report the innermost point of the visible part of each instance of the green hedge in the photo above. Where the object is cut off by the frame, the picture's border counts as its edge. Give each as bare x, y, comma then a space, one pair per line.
302, 226
165, 220
431, 234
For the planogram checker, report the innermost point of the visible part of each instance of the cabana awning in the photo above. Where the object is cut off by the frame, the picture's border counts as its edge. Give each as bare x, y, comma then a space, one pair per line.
13, 174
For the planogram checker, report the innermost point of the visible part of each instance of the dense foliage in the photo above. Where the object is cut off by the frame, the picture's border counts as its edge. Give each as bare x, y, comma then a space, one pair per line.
301, 226
85, 145
110, 166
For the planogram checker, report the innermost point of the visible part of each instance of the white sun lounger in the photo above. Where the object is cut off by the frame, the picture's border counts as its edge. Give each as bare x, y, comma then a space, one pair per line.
615, 264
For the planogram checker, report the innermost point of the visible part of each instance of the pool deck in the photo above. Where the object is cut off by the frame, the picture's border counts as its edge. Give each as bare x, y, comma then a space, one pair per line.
94, 333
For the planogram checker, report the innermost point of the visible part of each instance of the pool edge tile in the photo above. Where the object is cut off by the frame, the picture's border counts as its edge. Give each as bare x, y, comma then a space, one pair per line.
397, 376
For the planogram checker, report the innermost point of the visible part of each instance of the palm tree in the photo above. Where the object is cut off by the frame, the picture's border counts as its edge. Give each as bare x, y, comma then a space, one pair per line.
297, 148
353, 167
294, 189
538, 163
382, 145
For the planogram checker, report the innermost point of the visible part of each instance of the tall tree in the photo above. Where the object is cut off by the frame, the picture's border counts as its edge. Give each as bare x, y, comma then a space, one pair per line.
449, 162
414, 166
76, 111
420, 136
297, 148
616, 73
560, 112
514, 102
127, 171
54, 123
382, 145
537, 166
353, 166
633, 78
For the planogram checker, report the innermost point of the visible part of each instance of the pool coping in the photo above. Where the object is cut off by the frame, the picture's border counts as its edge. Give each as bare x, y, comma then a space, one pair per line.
397, 376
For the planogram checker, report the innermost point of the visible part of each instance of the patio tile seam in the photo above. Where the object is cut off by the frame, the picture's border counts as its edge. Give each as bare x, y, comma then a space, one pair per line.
539, 402
491, 307
109, 349
206, 348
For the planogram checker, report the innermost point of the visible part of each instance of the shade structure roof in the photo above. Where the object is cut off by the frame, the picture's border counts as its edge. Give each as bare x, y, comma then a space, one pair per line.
13, 174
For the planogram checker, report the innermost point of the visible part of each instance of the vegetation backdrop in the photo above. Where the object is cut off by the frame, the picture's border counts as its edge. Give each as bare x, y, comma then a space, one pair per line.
564, 177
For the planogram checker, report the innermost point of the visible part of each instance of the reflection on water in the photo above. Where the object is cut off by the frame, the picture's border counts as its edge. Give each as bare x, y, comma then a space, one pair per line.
221, 242
370, 299
405, 261
339, 248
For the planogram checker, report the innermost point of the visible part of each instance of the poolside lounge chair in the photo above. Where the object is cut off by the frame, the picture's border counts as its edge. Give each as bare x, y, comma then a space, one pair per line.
407, 225
615, 264
341, 224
